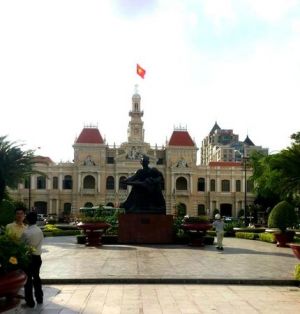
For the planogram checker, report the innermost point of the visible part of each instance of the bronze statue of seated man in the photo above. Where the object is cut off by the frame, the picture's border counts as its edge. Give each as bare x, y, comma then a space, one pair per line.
146, 193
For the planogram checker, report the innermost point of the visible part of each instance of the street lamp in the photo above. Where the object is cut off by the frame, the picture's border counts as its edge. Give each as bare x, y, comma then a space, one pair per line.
245, 159
29, 193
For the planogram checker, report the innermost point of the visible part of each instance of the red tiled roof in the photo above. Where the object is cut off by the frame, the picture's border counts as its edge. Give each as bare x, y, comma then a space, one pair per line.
90, 136
181, 138
224, 164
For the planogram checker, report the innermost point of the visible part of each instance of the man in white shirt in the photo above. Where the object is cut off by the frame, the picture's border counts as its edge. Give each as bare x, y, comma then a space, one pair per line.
33, 236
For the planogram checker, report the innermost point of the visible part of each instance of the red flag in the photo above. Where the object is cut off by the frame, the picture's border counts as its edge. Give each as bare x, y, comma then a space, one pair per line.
140, 71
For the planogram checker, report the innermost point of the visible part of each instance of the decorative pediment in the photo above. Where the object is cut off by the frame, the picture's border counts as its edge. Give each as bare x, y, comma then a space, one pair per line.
182, 164
89, 161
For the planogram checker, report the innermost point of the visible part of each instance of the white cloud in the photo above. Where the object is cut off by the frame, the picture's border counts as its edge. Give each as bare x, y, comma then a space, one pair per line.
220, 12
272, 10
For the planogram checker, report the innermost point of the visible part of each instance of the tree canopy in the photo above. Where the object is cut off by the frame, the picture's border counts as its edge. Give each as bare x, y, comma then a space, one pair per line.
277, 177
15, 164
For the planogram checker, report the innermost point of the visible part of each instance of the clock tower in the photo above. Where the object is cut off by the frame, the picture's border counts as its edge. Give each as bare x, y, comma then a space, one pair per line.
135, 126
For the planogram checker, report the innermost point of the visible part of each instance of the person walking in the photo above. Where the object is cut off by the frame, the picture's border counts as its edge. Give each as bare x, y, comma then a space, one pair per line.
16, 228
218, 224
33, 236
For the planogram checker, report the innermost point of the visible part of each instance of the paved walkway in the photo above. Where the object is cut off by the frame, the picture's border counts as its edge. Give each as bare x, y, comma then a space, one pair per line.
242, 261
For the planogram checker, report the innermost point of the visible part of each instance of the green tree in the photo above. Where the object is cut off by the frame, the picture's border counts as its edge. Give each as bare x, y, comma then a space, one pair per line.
266, 180
277, 177
15, 164
287, 164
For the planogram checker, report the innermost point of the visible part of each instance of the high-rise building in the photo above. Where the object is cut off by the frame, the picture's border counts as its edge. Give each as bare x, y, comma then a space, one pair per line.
224, 145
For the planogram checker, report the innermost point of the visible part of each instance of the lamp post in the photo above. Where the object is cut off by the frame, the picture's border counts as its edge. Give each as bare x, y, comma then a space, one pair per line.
29, 193
245, 159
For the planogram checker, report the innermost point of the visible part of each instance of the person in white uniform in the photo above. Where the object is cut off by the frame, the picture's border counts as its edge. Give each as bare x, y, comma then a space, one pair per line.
218, 224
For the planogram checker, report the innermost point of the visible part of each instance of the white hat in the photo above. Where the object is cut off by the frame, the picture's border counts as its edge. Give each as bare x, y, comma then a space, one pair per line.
217, 216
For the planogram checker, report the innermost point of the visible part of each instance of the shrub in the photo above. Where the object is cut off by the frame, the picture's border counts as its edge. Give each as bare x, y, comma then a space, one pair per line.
14, 254
282, 216
50, 228
267, 237
246, 235
211, 233
297, 272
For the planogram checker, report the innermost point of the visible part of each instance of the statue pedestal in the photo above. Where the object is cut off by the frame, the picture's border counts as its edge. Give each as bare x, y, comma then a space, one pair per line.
145, 228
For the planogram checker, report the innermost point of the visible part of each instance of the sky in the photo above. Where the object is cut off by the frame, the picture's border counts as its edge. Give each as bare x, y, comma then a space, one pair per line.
65, 64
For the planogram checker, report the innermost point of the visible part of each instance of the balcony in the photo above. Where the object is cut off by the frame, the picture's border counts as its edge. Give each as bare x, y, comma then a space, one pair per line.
182, 192
88, 191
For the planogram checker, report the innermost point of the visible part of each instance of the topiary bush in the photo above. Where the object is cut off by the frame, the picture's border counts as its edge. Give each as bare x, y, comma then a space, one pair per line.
282, 216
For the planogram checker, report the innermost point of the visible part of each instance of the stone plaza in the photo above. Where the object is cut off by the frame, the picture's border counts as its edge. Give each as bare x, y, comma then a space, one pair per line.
247, 277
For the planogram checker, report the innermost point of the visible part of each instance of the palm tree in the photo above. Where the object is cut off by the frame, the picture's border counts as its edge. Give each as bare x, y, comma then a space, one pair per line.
288, 165
15, 164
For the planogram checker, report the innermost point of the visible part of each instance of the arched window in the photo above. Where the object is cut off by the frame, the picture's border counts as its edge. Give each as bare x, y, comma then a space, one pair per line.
67, 183
122, 186
110, 204
238, 185
55, 183
89, 182
201, 210
88, 204
201, 184
181, 183
225, 186
41, 183
212, 185
110, 183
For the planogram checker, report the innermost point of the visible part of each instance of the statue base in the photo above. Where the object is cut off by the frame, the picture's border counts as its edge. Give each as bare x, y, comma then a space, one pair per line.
145, 228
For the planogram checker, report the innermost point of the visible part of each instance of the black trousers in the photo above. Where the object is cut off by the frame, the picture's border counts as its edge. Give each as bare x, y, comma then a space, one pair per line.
33, 281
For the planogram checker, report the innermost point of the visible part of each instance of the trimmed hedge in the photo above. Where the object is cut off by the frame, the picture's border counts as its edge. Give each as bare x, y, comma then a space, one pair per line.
297, 272
246, 235
53, 231
267, 237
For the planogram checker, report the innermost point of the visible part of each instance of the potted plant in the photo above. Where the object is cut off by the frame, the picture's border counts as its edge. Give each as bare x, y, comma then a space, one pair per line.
281, 217
14, 256
93, 228
196, 228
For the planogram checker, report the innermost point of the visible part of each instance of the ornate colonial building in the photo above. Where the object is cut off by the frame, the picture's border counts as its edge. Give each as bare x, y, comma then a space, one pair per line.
95, 176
